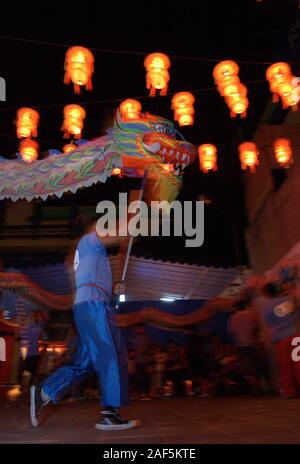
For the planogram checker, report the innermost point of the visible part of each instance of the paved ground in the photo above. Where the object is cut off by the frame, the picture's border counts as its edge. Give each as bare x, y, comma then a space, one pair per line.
165, 421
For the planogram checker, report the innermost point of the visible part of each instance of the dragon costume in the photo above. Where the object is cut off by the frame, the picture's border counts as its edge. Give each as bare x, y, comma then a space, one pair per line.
147, 143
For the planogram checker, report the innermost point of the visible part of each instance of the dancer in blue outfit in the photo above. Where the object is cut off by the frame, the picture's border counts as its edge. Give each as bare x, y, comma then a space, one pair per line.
100, 348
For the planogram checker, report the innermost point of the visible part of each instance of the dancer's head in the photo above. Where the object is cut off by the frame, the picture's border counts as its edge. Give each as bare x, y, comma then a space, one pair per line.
84, 224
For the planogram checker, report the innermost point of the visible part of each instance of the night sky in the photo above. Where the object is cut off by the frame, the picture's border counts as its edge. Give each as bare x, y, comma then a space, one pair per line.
246, 31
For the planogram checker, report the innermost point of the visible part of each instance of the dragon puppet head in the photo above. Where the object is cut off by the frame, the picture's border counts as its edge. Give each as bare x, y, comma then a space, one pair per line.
152, 138
149, 143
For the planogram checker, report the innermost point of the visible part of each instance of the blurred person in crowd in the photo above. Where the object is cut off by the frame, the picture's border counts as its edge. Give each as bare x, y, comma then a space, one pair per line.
244, 329
142, 344
132, 374
101, 348
177, 367
198, 360
215, 375
35, 331
281, 314
159, 370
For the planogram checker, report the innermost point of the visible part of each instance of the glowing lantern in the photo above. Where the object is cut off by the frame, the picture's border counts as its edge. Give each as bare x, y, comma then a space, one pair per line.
157, 77
29, 150
207, 157
227, 82
237, 100
182, 104
229, 86
27, 122
282, 83
239, 91
130, 109
278, 71
248, 155
73, 120
69, 147
283, 152
116, 171
224, 70
291, 100
289, 94
79, 67
231, 89
276, 74
285, 89
238, 106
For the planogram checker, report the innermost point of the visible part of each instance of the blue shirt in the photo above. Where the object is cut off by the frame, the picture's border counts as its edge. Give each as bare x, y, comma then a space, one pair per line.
281, 317
91, 266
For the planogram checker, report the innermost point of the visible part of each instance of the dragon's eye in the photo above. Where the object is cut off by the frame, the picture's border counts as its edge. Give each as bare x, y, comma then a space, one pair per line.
164, 127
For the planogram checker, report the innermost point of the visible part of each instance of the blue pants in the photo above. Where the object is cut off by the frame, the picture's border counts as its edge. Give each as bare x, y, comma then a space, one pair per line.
100, 349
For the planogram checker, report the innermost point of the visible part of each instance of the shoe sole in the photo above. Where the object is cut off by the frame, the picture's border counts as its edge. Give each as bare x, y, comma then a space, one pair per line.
129, 425
33, 417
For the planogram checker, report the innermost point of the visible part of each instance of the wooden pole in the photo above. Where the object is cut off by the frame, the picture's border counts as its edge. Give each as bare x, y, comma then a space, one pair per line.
126, 247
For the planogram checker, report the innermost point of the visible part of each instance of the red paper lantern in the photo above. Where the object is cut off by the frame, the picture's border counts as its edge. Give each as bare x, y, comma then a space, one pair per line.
130, 109
182, 104
207, 157
224, 70
283, 152
69, 147
157, 76
27, 122
73, 121
79, 67
283, 84
229, 86
248, 155
29, 150
116, 171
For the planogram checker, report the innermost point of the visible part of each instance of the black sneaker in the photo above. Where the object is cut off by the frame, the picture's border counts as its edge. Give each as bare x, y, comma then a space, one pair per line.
37, 402
111, 420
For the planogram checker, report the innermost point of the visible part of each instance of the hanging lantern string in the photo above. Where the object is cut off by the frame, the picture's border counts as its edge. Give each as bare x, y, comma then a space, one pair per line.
132, 52
118, 100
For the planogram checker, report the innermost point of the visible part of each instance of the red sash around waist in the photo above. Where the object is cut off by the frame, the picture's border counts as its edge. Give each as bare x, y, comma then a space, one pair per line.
98, 287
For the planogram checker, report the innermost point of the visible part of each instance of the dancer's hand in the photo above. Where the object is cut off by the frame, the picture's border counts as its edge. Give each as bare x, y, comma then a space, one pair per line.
120, 288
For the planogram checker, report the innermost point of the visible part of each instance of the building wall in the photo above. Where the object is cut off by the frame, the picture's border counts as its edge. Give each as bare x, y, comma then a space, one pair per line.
22, 231
273, 214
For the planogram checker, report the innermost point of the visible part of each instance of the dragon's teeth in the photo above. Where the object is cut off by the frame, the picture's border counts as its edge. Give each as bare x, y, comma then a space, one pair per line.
184, 165
171, 152
164, 151
184, 156
177, 155
177, 172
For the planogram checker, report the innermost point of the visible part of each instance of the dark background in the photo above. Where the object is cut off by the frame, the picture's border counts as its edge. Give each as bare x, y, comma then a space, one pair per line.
252, 33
